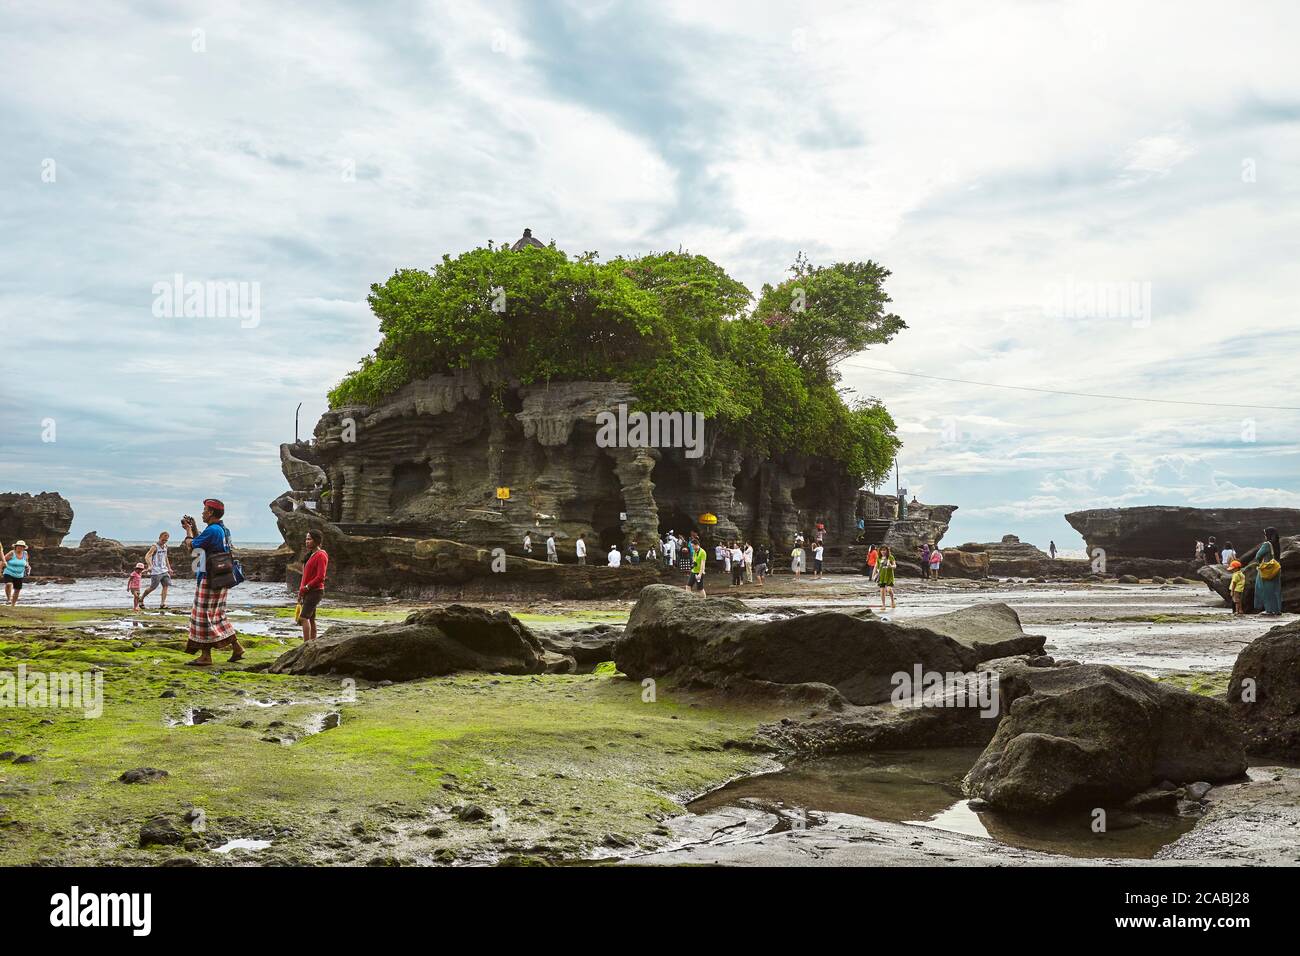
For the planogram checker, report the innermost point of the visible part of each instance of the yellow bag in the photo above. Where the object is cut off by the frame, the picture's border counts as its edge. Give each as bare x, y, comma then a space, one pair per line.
297, 614
1270, 569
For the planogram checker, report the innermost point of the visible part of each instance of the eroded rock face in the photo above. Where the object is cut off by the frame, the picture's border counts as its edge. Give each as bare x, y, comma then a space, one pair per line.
1092, 735
1013, 558
1171, 533
1264, 692
715, 641
41, 520
429, 643
1219, 578
427, 462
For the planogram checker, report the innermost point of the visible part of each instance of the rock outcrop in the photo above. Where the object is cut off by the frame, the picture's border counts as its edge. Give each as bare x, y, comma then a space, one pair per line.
1264, 692
1013, 558
438, 570
1092, 735
429, 643
1219, 578
41, 520
1171, 533
721, 642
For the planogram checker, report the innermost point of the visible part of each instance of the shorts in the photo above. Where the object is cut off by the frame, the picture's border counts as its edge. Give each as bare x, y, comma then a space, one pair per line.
817, 565
16, 582
156, 579
697, 582
760, 570
310, 600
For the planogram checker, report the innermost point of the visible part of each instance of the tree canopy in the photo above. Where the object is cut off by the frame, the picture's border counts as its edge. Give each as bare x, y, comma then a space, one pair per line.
673, 325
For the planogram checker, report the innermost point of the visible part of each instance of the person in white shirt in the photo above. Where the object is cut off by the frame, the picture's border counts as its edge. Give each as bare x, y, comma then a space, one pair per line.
737, 564
670, 549
818, 551
581, 549
1229, 554
551, 554
615, 558
749, 562
528, 545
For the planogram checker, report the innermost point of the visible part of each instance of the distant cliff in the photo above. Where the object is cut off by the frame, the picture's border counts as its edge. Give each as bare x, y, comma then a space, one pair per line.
1171, 532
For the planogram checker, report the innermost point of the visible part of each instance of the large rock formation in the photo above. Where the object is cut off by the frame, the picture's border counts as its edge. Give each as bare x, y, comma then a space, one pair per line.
426, 464
41, 520
722, 642
429, 643
1264, 692
1013, 558
1219, 578
1092, 735
1171, 533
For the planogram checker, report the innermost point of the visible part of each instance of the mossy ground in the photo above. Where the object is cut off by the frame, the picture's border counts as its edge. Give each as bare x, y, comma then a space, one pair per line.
564, 765
1205, 683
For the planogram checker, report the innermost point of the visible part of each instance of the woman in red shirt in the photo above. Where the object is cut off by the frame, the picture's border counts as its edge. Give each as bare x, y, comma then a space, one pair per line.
313, 584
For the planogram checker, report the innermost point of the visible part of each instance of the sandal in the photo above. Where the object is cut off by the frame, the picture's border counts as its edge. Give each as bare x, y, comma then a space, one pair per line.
235, 658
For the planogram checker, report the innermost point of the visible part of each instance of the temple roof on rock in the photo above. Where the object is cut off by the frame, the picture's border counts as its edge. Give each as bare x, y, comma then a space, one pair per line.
527, 240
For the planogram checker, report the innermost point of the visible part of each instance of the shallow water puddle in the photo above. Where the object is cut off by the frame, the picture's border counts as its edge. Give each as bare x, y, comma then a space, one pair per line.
923, 788
250, 845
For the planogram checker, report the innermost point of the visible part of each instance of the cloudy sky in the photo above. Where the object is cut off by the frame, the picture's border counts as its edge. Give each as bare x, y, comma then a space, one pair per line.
1092, 198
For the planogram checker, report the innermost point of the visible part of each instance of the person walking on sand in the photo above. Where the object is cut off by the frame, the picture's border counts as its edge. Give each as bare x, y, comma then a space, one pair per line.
796, 559
760, 564
737, 564
312, 588
925, 561
209, 626
698, 560
160, 569
17, 569
552, 556
580, 549
1268, 575
133, 586
1051, 549
936, 562
886, 566
1237, 588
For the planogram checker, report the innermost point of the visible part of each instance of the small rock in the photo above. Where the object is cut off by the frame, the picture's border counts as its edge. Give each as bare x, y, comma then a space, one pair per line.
1198, 790
167, 695
471, 813
8, 755
160, 831
26, 758
143, 775
435, 832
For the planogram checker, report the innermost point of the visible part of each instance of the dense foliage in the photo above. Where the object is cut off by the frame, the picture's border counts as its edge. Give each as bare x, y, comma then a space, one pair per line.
675, 326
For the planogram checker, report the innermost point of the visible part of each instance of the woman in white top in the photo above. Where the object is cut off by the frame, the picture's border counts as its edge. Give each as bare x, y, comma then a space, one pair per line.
615, 558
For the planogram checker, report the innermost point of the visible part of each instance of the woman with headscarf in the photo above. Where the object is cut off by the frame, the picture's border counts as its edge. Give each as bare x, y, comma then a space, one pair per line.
1268, 574
209, 626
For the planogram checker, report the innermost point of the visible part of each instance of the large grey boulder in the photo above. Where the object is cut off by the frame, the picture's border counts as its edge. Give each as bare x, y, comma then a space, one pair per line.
1093, 735
429, 643
1264, 692
715, 641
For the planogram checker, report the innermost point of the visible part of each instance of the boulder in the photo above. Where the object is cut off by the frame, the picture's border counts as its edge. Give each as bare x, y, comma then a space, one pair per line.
1264, 692
964, 564
1013, 558
1219, 578
1095, 735
429, 643
715, 640
41, 520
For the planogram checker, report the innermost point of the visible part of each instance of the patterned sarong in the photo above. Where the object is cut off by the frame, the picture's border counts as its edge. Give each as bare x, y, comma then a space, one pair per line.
209, 627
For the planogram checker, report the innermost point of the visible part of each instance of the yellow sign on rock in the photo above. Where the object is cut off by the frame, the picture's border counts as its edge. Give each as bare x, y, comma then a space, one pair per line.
708, 518
503, 493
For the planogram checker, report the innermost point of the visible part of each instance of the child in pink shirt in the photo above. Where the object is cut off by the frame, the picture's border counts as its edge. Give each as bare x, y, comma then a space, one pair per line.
133, 585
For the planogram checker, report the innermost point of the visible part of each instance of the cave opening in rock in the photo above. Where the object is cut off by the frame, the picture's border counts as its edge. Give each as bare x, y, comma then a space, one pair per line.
410, 479
605, 515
